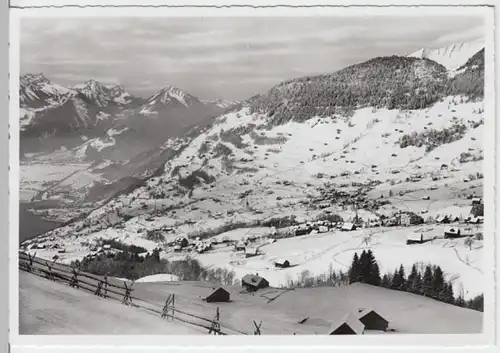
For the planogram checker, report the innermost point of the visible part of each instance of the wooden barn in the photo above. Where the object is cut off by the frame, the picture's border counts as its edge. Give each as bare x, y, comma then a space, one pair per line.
348, 325
282, 263
451, 232
251, 251
372, 320
219, 295
240, 246
254, 282
415, 238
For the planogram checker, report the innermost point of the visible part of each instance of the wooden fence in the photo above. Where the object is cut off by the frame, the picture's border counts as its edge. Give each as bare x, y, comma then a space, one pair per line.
114, 289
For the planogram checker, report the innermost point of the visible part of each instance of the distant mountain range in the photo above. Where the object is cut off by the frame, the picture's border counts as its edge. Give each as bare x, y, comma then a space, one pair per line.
99, 121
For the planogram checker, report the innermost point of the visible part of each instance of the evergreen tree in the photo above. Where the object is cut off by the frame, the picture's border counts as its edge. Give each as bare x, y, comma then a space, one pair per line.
437, 284
396, 280
410, 282
364, 267
354, 270
375, 277
427, 282
417, 284
386, 281
402, 278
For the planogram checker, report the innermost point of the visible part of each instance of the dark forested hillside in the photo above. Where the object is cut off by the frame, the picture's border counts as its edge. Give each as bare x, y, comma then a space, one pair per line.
386, 82
470, 80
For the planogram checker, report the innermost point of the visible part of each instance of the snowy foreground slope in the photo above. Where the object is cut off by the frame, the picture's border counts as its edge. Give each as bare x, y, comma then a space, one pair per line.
54, 308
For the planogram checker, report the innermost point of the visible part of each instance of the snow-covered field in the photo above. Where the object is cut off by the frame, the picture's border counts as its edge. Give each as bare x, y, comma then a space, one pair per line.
37, 177
316, 253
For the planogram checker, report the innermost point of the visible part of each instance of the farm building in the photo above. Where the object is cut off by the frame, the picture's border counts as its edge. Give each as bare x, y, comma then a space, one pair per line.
348, 325
254, 282
477, 210
451, 232
372, 320
302, 231
282, 263
348, 227
218, 295
251, 251
240, 246
415, 239
409, 218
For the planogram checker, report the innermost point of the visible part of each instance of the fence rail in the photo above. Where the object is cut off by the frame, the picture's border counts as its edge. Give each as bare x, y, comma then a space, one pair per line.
110, 288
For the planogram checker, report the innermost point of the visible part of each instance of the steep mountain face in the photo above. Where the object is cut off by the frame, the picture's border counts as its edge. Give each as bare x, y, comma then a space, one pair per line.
452, 56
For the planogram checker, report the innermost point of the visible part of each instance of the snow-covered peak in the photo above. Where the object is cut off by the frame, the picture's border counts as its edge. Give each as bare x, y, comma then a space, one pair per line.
37, 91
221, 103
452, 56
170, 94
102, 94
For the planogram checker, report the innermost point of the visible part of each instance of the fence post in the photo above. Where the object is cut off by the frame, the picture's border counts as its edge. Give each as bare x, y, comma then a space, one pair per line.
165, 308
49, 273
74, 280
98, 290
257, 328
215, 327
106, 285
127, 299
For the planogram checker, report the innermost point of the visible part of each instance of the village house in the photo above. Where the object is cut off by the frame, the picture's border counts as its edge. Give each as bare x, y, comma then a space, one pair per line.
410, 218
443, 219
348, 325
217, 296
254, 282
348, 226
251, 251
415, 238
372, 320
240, 246
451, 232
282, 263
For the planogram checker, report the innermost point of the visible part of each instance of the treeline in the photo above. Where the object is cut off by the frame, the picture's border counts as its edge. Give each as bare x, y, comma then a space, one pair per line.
428, 282
386, 82
132, 266
423, 280
432, 139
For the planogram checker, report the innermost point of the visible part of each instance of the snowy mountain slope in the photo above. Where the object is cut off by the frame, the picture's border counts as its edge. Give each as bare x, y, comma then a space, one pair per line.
349, 144
452, 56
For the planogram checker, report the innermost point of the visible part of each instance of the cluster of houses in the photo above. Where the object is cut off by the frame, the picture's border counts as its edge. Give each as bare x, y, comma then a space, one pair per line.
321, 227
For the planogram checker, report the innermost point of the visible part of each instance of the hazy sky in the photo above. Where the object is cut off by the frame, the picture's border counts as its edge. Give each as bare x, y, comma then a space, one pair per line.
229, 58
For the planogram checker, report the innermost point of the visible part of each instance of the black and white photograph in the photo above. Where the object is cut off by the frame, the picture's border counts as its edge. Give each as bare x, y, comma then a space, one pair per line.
254, 175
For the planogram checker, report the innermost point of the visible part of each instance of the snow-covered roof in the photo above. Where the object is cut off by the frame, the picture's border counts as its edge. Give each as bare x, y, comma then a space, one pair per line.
415, 236
357, 326
363, 312
348, 225
453, 230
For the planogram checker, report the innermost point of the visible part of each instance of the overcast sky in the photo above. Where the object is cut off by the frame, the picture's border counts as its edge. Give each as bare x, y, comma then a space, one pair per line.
229, 58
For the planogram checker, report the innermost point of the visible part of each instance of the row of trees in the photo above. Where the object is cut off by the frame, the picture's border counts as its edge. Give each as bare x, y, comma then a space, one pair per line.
130, 265
432, 139
426, 280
